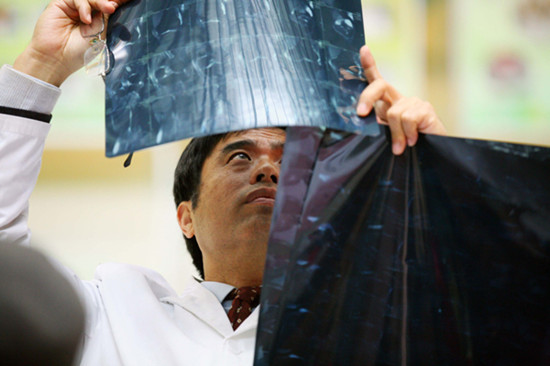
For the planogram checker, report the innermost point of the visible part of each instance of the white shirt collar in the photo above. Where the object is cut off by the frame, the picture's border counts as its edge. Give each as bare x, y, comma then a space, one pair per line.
220, 290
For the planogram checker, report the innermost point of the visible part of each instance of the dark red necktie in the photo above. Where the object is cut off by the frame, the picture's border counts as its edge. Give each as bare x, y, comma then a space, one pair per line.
244, 300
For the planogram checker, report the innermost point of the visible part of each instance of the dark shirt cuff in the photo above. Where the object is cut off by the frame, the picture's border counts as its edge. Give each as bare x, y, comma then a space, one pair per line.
26, 114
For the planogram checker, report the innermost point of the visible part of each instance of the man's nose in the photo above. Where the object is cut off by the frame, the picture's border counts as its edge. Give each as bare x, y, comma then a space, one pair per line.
267, 172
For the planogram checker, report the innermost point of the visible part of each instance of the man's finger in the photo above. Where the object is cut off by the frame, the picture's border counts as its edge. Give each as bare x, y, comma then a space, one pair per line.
381, 109
397, 133
398, 138
86, 7
84, 11
409, 122
109, 6
375, 91
369, 65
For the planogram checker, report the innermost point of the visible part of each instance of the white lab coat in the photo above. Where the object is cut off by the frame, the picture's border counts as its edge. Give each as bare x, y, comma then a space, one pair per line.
137, 319
134, 317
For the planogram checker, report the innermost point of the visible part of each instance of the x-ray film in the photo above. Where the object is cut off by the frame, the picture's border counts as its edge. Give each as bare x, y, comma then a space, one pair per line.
184, 68
437, 257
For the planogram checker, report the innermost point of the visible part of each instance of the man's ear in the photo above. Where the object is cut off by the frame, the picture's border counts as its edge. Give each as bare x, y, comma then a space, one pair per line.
185, 219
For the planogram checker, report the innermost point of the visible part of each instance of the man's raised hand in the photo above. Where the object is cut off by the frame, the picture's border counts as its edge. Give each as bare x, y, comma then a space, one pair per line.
406, 117
57, 47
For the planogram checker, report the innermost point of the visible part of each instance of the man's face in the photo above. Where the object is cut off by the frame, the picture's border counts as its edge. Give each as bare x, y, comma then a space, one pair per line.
232, 217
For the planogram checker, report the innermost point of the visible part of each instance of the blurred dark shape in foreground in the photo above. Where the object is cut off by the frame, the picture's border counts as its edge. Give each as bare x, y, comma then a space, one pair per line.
41, 317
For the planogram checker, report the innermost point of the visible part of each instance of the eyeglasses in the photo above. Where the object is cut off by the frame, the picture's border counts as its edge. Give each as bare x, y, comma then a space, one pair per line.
96, 58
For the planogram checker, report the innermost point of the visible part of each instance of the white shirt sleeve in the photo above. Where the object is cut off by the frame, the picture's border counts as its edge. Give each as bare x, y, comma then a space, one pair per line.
21, 91
21, 146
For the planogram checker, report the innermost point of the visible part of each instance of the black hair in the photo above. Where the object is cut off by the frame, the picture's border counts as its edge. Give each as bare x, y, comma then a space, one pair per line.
187, 181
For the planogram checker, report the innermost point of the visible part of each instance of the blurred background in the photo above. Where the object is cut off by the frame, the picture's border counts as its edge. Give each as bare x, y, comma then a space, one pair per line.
484, 65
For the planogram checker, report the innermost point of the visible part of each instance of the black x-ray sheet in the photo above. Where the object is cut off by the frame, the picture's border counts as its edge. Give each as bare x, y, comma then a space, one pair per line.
183, 68
440, 256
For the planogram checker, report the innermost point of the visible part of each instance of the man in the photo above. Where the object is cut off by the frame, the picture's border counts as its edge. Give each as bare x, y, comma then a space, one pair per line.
225, 189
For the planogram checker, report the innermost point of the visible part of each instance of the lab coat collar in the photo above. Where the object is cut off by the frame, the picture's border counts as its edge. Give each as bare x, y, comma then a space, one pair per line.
204, 305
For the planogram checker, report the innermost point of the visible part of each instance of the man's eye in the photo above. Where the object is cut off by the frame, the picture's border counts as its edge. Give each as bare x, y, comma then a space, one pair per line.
239, 155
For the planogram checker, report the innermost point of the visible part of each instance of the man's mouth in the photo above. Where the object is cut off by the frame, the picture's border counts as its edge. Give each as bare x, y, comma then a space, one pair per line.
262, 196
